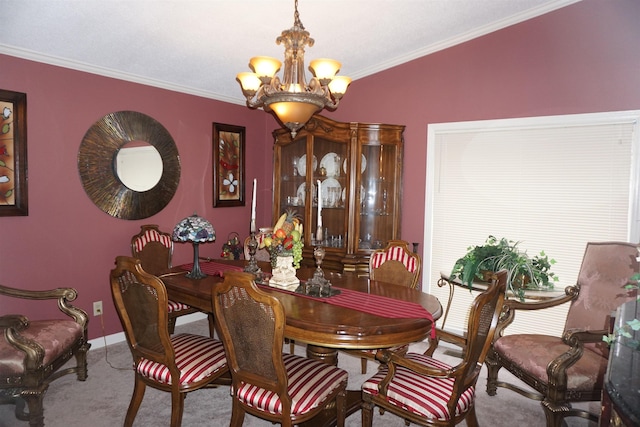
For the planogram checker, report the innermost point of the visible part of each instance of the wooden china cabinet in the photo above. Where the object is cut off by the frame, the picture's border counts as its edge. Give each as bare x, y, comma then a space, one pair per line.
359, 166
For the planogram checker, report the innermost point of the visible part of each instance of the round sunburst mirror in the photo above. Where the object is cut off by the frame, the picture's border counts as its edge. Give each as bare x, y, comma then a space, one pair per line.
129, 165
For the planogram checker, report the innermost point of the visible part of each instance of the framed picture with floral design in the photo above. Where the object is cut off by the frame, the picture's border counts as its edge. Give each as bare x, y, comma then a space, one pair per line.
228, 165
13, 153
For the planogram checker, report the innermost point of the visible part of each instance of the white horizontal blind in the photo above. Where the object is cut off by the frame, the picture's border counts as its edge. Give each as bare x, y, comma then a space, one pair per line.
552, 183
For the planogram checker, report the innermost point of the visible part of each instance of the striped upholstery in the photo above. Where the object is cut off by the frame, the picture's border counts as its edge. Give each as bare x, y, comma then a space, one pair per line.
419, 394
197, 357
310, 382
394, 254
152, 236
174, 306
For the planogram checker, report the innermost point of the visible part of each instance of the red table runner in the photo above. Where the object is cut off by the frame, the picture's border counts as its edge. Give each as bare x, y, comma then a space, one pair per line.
377, 305
213, 268
372, 304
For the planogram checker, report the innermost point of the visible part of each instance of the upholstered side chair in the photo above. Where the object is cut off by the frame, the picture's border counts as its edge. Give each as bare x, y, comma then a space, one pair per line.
393, 264
262, 254
32, 352
154, 249
396, 264
569, 368
429, 392
178, 363
282, 388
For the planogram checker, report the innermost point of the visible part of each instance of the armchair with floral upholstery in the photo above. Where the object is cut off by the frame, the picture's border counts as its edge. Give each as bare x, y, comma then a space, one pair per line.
569, 368
32, 352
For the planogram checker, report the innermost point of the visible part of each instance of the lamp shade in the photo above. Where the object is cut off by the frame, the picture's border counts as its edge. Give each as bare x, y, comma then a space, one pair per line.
338, 86
325, 68
194, 229
249, 82
265, 66
294, 112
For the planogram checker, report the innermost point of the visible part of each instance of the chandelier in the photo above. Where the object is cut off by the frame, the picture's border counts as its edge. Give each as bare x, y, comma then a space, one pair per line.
291, 99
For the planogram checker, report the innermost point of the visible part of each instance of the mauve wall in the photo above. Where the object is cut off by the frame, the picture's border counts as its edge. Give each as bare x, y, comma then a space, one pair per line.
582, 58
66, 240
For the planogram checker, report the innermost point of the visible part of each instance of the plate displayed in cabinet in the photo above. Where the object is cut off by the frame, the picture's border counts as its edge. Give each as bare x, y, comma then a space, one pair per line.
331, 164
363, 164
302, 164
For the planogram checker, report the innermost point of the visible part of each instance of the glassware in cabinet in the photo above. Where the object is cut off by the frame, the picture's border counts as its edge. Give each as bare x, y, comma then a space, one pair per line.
379, 210
358, 168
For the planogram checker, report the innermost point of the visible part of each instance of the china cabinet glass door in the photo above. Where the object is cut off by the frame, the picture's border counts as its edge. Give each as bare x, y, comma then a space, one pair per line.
352, 173
378, 195
331, 177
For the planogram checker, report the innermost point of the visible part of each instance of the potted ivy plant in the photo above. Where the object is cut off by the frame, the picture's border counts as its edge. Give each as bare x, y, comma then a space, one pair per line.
627, 330
524, 272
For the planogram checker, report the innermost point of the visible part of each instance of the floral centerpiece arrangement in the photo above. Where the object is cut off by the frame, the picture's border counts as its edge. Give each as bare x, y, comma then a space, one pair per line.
286, 239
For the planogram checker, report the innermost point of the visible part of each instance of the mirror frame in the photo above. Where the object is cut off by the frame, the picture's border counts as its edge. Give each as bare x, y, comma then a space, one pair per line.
96, 155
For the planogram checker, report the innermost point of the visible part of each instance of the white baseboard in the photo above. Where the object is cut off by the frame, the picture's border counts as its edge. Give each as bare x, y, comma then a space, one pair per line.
119, 337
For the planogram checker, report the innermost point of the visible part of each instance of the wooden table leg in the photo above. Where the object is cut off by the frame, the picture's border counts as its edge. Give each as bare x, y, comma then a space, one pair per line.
324, 354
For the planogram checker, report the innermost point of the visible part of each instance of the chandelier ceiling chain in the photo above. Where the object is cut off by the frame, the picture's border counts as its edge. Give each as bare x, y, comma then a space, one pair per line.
291, 99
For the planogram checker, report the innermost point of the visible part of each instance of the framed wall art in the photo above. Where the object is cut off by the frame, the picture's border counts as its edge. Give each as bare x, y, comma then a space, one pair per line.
13, 154
228, 165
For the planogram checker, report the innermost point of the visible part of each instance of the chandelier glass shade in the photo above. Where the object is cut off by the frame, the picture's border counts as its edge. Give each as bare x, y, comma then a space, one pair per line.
291, 99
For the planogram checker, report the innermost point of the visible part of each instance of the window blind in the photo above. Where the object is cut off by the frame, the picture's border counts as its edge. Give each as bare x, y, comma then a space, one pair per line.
550, 183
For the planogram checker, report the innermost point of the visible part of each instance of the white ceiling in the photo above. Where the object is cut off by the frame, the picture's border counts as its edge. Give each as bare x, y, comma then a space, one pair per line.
198, 46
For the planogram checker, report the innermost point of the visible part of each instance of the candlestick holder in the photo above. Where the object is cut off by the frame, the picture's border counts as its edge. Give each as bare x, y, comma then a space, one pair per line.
252, 267
318, 280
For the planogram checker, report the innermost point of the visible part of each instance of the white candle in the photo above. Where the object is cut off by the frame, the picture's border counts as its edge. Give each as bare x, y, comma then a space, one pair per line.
253, 206
319, 202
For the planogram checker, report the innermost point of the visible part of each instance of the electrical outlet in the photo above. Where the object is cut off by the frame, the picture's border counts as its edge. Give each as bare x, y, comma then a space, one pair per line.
97, 308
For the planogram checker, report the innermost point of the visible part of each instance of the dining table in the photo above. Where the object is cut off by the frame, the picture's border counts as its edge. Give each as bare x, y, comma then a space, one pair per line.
360, 313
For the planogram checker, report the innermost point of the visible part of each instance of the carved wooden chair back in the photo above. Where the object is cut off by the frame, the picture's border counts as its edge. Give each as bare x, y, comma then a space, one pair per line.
154, 249
573, 365
426, 391
398, 265
177, 364
266, 382
395, 264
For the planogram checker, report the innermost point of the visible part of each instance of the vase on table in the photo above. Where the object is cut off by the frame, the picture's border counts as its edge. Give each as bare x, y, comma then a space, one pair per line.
283, 275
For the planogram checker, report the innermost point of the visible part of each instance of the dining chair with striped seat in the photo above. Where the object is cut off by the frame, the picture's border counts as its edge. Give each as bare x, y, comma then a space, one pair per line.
398, 265
178, 363
267, 383
154, 249
429, 392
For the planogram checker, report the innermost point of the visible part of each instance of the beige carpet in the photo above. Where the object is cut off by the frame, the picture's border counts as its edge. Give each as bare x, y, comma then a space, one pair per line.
103, 399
